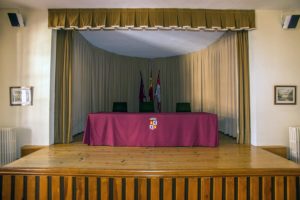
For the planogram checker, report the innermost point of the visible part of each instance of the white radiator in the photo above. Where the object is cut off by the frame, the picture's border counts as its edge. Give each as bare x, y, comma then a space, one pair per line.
8, 149
294, 149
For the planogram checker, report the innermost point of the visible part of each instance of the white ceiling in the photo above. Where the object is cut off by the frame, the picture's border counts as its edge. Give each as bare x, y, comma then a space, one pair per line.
152, 44
209, 4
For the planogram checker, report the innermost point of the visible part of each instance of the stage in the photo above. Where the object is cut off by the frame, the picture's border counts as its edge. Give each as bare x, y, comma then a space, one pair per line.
90, 172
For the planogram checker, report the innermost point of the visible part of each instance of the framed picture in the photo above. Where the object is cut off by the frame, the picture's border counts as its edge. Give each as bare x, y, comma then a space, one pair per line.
21, 96
285, 95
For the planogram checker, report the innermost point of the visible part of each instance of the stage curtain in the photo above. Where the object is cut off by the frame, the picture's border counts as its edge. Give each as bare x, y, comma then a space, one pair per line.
207, 79
63, 88
194, 19
219, 79
244, 89
101, 78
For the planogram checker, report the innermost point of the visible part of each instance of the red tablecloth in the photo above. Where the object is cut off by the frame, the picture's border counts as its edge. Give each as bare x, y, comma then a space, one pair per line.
152, 129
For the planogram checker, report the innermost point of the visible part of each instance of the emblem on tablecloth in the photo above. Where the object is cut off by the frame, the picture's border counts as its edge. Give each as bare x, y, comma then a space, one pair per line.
153, 123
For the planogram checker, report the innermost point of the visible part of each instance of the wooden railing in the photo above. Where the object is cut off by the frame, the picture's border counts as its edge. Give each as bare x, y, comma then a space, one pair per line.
21, 186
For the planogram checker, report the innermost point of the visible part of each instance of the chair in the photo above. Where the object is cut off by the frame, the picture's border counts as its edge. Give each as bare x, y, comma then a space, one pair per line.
183, 107
146, 107
120, 107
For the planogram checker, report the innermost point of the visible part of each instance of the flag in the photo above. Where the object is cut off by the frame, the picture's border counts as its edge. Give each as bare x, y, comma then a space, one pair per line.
157, 93
142, 93
150, 87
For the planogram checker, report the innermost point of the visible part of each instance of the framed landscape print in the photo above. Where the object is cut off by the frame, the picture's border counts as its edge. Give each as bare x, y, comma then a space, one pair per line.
21, 96
285, 95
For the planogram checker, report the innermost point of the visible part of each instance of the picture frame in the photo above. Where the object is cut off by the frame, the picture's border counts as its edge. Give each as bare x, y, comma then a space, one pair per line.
21, 96
285, 95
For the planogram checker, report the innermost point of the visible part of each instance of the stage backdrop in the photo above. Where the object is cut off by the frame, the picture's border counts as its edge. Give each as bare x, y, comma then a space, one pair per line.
207, 78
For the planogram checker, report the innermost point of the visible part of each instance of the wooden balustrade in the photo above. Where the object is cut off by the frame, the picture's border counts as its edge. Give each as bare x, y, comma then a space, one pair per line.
148, 188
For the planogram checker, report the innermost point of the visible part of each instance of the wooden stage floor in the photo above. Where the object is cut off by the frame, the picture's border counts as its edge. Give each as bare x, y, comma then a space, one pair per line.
224, 160
78, 171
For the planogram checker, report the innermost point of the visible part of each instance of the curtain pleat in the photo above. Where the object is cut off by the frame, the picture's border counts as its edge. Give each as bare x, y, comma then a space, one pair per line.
170, 18
113, 18
127, 17
156, 17
57, 18
244, 19
86, 18
63, 88
227, 20
184, 18
72, 19
244, 91
151, 18
141, 17
99, 18
213, 19
251, 17
199, 19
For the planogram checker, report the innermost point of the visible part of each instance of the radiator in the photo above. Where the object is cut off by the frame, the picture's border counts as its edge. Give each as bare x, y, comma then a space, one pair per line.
8, 149
294, 148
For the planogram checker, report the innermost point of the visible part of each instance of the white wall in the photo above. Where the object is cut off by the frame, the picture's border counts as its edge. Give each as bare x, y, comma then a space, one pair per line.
25, 55
25, 61
274, 60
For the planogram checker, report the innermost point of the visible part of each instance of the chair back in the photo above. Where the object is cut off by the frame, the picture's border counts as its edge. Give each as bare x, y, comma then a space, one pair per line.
183, 107
120, 107
146, 107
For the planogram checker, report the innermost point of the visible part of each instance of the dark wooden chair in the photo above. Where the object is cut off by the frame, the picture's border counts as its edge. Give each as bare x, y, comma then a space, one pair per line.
146, 107
183, 107
120, 107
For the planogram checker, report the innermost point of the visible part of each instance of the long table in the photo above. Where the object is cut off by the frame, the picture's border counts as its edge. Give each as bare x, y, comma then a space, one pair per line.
152, 129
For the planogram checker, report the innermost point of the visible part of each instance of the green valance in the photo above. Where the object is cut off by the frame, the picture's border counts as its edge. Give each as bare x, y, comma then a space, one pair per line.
148, 18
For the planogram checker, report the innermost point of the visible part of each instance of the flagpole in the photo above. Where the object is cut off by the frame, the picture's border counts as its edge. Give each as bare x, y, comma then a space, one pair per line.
142, 93
150, 92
